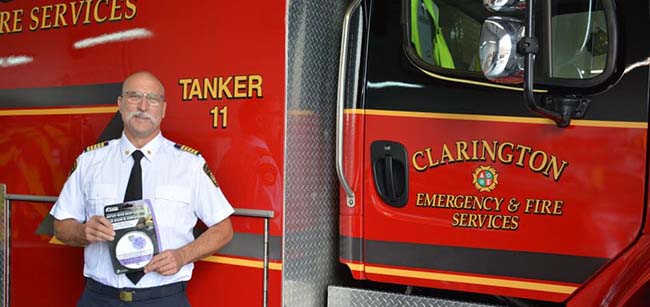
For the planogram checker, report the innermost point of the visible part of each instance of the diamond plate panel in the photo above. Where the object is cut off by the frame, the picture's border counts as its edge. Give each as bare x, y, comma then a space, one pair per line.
349, 297
310, 236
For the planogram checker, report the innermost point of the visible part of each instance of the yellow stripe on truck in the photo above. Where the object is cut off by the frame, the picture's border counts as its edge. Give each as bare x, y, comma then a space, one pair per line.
483, 281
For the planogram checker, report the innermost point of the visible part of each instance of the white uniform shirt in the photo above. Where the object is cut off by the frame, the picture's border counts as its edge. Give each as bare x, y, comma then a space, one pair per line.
173, 179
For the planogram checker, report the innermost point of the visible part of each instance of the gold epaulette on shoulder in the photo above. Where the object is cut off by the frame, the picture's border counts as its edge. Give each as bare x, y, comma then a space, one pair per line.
186, 148
96, 146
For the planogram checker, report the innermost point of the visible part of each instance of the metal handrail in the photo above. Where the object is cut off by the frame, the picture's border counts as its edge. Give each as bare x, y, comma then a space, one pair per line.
254, 213
5, 245
350, 199
267, 214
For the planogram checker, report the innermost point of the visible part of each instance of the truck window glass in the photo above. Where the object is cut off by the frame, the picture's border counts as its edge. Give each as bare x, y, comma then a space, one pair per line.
444, 36
579, 40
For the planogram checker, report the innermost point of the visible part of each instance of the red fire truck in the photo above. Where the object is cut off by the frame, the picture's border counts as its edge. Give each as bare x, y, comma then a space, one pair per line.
378, 153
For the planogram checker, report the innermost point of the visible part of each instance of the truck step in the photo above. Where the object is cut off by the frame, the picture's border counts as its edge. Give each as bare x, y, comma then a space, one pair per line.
352, 297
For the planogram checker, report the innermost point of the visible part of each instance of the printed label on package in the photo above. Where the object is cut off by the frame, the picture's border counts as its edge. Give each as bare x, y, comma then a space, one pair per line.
136, 240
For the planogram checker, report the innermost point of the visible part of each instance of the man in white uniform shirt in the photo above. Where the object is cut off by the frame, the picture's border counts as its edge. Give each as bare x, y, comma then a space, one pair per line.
175, 178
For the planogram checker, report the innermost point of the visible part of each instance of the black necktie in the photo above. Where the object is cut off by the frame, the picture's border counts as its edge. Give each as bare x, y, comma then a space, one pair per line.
134, 187
134, 192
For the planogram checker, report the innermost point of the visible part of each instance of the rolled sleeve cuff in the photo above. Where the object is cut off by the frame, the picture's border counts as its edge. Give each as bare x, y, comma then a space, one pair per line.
220, 216
60, 213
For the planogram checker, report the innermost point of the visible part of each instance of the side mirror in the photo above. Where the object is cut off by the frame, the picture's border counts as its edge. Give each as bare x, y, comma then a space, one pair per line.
504, 6
498, 50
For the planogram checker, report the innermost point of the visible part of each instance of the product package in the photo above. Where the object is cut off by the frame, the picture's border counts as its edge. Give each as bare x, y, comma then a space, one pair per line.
136, 240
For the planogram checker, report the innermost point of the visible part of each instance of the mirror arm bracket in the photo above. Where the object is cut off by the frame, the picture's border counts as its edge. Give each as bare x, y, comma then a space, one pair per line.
528, 46
572, 105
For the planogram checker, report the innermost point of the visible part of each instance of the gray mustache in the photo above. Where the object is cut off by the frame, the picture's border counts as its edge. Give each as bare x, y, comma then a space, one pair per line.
140, 114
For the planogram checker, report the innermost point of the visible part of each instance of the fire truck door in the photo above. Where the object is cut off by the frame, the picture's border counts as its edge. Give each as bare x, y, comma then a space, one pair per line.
467, 189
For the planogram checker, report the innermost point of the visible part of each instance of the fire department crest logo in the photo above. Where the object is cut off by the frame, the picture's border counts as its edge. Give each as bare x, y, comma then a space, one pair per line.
485, 178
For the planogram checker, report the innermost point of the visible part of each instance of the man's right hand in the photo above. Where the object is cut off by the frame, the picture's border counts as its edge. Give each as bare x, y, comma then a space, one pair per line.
98, 229
74, 233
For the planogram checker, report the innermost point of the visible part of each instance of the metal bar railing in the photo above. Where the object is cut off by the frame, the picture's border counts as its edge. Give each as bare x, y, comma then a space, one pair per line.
7, 198
5, 245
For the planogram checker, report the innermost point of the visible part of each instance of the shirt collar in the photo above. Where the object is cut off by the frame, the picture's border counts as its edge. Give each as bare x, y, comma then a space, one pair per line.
149, 150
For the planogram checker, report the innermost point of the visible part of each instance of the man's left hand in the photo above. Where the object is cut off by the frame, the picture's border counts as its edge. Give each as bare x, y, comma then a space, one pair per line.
166, 263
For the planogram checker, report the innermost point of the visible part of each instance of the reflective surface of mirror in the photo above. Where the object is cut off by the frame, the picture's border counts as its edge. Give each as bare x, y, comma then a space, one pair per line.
498, 50
504, 6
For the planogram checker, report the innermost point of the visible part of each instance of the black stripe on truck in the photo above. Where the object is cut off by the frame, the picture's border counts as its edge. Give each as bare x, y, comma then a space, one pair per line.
78, 95
517, 264
242, 245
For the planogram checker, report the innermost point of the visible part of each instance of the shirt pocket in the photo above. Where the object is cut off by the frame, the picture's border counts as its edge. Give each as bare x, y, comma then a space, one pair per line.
99, 196
172, 203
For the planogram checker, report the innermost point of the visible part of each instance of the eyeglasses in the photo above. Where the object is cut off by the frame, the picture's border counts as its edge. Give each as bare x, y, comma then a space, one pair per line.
134, 97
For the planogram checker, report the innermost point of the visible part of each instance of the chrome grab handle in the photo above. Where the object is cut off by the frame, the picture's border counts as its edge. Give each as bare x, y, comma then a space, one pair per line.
340, 102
